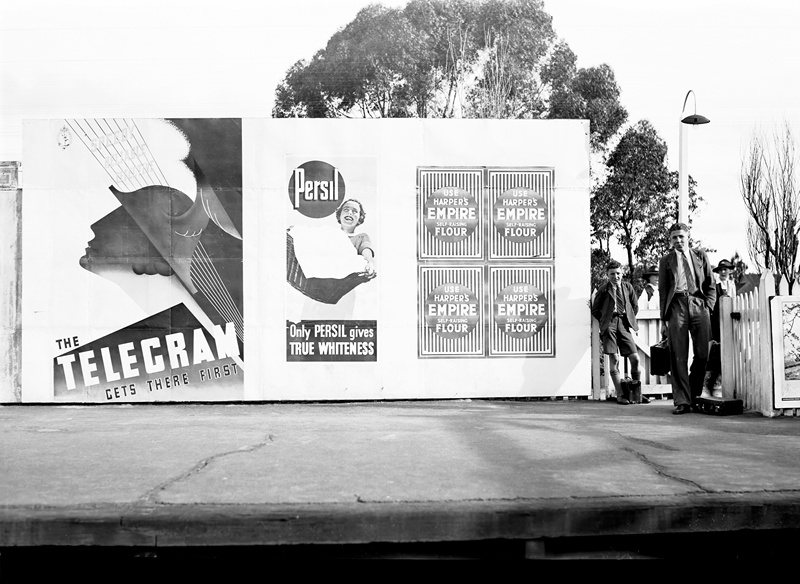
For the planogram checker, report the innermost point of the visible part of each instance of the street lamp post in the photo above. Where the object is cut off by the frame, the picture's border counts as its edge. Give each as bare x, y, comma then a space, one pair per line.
683, 161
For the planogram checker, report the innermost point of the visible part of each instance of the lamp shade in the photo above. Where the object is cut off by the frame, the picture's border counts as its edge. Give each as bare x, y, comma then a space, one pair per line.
695, 119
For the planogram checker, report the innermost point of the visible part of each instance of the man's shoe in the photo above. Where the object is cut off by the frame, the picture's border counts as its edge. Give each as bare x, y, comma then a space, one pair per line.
623, 401
681, 409
645, 399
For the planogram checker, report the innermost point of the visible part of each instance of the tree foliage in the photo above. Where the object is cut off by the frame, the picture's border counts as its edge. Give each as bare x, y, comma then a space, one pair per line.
638, 200
769, 189
739, 267
636, 188
591, 94
452, 58
599, 259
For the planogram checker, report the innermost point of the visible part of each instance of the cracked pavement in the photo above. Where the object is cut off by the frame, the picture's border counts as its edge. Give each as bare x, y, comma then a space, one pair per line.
454, 460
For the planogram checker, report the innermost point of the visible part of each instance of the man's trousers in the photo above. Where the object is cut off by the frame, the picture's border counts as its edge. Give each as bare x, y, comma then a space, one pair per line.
688, 315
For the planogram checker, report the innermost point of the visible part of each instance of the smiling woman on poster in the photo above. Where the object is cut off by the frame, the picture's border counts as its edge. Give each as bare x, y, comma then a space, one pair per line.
350, 215
334, 261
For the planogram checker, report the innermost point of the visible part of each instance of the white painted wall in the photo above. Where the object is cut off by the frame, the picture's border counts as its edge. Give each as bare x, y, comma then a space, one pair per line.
400, 147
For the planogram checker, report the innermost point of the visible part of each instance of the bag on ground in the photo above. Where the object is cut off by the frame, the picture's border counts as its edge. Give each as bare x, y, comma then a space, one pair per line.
659, 358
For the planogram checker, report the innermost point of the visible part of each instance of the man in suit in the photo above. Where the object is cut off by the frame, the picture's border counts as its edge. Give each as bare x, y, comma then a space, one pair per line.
614, 306
687, 294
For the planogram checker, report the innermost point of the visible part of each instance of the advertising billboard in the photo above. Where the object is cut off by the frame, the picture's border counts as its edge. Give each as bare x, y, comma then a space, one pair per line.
225, 259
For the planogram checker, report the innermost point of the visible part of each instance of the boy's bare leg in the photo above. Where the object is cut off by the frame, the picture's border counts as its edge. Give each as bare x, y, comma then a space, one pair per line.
613, 364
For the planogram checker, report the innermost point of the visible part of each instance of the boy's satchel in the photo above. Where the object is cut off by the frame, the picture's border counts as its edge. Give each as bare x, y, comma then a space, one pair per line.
659, 358
631, 389
719, 407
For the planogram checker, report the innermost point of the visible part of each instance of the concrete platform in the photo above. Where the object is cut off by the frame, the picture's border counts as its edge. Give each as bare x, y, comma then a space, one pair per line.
162, 476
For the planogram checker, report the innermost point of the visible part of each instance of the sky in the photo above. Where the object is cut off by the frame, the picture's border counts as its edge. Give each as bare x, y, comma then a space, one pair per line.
104, 57
731, 54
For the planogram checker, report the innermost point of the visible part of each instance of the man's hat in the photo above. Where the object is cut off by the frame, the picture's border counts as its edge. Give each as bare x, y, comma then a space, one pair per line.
653, 271
723, 264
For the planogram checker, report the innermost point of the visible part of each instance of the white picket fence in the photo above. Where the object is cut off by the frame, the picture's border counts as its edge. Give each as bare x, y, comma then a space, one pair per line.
747, 365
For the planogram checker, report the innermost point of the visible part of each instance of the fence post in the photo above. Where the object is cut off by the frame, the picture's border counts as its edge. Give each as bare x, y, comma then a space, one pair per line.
10, 287
597, 354
766, 290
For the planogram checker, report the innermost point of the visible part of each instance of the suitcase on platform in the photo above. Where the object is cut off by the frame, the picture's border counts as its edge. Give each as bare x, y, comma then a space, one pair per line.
659, 358
719, 406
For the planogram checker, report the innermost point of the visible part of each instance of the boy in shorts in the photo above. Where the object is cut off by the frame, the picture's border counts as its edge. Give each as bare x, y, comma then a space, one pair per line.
615, 307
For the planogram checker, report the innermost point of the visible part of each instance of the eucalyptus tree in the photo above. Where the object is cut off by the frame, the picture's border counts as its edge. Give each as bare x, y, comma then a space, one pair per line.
452, 58
634, 200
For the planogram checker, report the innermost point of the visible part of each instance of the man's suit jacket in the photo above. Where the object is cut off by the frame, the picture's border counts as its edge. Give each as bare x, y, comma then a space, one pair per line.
603, 305
668, 275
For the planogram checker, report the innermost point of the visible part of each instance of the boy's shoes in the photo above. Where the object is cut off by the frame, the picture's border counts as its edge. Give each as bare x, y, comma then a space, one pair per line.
623, 401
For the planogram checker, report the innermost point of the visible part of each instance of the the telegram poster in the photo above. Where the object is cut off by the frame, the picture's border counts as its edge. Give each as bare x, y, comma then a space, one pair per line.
134, 278
332, 259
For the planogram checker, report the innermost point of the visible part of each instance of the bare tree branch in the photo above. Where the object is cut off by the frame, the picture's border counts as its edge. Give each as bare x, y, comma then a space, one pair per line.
769, 190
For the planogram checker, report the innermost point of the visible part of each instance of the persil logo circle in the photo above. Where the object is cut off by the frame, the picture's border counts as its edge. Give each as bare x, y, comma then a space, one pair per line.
316, 189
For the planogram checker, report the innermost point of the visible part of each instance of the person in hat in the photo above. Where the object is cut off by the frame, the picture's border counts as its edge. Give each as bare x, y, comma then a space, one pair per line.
712, 384
648, 300
614, 306
725, 283
687, 295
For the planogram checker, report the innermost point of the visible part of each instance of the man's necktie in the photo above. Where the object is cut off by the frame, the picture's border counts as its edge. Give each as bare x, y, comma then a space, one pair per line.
691, 285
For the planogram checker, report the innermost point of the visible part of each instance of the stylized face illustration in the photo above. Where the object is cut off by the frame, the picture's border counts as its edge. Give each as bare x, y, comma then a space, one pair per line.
119, 244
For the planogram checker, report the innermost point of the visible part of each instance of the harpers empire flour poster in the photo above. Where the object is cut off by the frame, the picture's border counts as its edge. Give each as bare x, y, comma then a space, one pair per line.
134, 276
